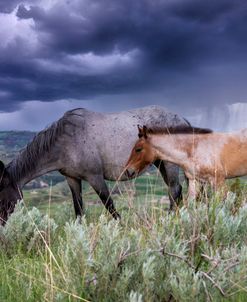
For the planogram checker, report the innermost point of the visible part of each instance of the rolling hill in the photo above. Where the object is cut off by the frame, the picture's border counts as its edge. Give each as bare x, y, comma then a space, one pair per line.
11, 142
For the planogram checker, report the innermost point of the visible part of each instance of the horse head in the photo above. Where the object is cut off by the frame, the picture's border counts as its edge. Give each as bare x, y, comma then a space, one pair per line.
142, 154
9, 194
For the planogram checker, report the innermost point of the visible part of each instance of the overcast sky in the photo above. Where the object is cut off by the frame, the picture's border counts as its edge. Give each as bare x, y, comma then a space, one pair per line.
110, 55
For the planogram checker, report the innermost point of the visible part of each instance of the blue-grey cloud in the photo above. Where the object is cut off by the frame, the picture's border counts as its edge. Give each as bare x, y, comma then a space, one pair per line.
7, 6
86, 49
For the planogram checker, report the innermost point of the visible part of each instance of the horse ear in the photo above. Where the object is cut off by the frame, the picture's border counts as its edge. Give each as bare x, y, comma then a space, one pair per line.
142, 131
2, 167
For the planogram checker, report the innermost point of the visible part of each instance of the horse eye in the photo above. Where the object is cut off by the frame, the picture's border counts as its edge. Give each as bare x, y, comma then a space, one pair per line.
138, 150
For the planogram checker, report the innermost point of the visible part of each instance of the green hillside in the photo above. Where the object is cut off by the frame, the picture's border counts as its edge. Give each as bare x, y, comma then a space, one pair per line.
11, 142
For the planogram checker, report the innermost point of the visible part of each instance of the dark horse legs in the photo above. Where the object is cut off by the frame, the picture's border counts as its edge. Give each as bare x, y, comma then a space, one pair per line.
100, 187
170, 174
168, 171
75, 188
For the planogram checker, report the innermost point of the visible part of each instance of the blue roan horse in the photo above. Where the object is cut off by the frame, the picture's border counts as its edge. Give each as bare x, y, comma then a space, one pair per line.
85, 145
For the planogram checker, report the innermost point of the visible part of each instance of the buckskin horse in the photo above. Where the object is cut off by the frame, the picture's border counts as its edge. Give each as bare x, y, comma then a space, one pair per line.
205, 156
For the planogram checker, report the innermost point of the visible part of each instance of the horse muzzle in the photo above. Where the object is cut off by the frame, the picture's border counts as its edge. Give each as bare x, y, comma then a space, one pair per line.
130, 173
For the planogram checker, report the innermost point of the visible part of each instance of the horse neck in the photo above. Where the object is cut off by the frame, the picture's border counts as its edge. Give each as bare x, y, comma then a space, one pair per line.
22, 171
177, 148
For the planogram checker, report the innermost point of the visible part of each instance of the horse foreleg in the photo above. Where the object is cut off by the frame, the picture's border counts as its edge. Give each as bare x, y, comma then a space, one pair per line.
99, 185
192, 190
75, 188
170, 174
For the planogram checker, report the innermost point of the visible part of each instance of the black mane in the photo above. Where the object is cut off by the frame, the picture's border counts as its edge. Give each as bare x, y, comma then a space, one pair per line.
183, 129
26, 160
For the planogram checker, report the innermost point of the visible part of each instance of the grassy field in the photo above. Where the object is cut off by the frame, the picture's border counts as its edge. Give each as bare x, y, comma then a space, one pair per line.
146, 189
197, 253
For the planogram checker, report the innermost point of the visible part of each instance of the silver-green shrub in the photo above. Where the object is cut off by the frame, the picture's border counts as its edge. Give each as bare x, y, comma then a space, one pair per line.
198, 253
26, 230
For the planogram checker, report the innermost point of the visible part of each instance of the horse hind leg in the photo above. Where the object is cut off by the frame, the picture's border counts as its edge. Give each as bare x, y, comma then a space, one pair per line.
75, 188
99, 185
170, 174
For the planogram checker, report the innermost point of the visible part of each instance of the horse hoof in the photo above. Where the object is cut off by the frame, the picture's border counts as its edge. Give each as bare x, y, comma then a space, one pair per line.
116, 216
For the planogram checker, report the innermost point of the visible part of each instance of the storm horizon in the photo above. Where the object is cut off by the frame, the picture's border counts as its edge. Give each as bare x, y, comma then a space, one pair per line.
186, 55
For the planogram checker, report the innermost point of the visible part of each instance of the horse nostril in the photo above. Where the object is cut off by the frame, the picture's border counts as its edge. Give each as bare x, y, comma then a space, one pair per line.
130, 172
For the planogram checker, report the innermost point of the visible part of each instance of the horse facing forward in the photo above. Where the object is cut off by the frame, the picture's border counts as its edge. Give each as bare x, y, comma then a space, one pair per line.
204, 155
86, 145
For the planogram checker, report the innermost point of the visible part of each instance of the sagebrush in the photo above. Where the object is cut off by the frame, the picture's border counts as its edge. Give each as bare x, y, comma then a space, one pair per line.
197, 253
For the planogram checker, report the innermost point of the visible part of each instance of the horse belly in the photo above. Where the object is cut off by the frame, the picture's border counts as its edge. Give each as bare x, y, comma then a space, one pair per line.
235, 161
236, 168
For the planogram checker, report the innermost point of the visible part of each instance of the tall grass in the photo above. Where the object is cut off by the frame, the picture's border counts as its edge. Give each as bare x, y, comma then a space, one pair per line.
197, 253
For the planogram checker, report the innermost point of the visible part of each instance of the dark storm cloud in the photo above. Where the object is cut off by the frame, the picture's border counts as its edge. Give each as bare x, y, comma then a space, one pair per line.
153, 43
172, 30
7, 6
108, 25
204, 11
